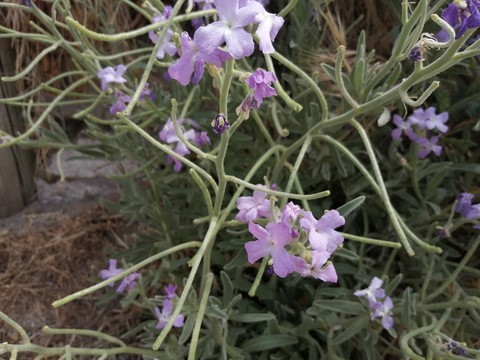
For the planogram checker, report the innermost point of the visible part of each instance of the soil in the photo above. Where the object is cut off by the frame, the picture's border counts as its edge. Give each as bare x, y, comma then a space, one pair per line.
57, 246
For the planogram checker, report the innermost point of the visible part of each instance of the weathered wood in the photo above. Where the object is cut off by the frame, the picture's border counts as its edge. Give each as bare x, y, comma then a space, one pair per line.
17, 166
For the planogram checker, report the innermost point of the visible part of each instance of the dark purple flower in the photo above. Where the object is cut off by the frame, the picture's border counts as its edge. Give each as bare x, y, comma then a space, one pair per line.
260, 81
193, 59
220, 124
427, 146
415, 54
253, 207
110, 74
164, 316
272, 241
461, 15
26, 3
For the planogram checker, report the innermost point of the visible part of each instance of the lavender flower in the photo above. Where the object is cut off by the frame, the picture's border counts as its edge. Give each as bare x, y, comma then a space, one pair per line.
109, 74
402, 127
267, 30
437, 121
170, 291
193, 59
321, 233
121, 103
260, 81
253, 207
272, 241
319, 268
167, 47
165, 314
421, 116
466, 208
384, 311
168, 135
128, 282
290, 213
147, 93
373, 292
416, 54
427, 146
229, 29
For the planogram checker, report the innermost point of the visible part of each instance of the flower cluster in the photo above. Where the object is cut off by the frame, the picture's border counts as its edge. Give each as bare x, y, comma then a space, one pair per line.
229, 29
128, 282
465, 207
461, 15
195, 137
380, 305
294, 239
260, 82
419, 127
164, 315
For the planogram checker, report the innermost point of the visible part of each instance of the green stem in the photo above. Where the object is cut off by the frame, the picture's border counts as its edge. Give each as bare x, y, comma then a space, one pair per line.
258, 278
339, 77
383, 190
83, 332
199, 318
366, 240
195, 263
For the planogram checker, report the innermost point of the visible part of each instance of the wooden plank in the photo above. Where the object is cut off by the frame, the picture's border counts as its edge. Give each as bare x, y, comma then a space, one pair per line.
17, 166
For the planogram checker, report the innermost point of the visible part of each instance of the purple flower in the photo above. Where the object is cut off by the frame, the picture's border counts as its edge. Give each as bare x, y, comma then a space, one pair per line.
220, 124
168, 135
461, 15
272, 241
111, 272
420, 117
402, 127
383, 310
321, 233
373, 292
26, 3
320, 268
290, 213
204, 4
128, 282
437, 122
110, 74
464, 203
260, 81
427, 146
147, 93
267, 30
121, 103
167, 47
416, 54
253, 207
193, 59
164, 316
229, 29
170, 291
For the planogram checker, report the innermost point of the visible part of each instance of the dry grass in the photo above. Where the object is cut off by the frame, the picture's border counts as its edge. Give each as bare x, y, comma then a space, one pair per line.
49, 261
